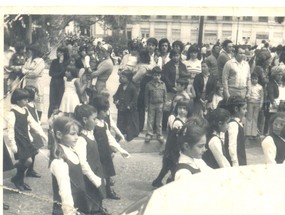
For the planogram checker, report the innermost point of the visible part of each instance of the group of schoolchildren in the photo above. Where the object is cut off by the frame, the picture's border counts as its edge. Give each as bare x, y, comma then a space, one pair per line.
202, 133
81, 152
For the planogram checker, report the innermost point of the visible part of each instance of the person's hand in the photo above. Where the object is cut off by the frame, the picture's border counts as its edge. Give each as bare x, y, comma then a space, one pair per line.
45, 138
125, 154
61, 58
98, 182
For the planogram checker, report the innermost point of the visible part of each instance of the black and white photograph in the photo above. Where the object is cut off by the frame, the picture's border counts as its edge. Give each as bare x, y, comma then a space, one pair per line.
143, 110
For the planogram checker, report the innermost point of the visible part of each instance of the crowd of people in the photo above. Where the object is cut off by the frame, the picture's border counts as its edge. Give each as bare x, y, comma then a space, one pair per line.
207, 100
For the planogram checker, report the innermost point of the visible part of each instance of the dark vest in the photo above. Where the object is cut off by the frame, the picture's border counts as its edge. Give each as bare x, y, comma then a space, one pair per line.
188, 167
25, 148
77, 189
280, 148
241, 154
208, 156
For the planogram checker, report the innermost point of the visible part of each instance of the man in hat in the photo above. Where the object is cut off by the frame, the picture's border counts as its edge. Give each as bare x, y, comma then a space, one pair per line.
155, 96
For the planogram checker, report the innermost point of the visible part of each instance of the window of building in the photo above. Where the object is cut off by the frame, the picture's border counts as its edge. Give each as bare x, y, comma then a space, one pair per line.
176, 17
195, 17
262, 36
263, 19
145, 17
145, 33
227, 18
160, 33
211, 18
210, 36
161, 17
247, 18
226, 35
176, 34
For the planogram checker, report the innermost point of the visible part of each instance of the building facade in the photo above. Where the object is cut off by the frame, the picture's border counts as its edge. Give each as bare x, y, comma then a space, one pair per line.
241, 30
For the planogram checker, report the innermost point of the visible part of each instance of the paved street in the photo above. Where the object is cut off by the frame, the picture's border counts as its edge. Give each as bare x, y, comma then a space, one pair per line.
133, 180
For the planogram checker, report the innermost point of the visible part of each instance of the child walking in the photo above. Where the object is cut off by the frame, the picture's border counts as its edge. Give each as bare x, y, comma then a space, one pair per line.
20, 144
88, 153
37, 140
254, 105
155, 96
72, 91
106, 144
69, 193
218, 121
126, 101
234, 136
273, 145
171, 152
192, 141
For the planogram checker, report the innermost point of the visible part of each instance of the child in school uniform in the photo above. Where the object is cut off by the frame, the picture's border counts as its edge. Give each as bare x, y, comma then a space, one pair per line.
88, 153
126, 101
234, 136
217, 97
107, 144
171, 152
273, 145
254, 105
37, 140
192, 142
69, 192
19, 121
218, 123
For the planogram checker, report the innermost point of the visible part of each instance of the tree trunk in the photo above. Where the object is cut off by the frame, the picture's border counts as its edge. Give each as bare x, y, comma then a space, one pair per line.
29, 30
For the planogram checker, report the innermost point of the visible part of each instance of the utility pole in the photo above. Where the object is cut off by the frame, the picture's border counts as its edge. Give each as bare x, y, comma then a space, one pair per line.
201, 27
237, 30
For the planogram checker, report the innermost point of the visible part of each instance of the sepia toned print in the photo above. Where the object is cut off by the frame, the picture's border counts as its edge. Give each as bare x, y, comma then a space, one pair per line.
103, 106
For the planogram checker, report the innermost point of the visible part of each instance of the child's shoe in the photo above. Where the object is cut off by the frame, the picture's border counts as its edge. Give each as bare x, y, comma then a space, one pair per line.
147, 138
160, 139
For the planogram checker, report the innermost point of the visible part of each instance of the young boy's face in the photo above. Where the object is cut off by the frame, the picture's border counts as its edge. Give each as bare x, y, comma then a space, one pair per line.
156, 76
176, 58
254, 81
179, 87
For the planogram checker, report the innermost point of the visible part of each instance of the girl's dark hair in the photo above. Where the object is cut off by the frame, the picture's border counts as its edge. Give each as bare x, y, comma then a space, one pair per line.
19, 46
62, 124
84, 110
192, 131
282, 57
216, 116
32, 91
233, 102
186, 103
19, 94
101, 103
65, 52
173, 52
193, 48
164, 40
73, 70
144, 56
272, 119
